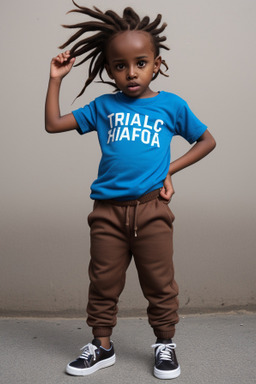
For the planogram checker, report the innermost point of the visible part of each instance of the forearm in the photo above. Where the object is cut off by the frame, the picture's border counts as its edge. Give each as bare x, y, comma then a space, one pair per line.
52, 108
203, 146
54, 122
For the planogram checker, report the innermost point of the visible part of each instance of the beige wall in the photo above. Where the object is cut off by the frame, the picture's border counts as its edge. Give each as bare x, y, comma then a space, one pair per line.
45, 179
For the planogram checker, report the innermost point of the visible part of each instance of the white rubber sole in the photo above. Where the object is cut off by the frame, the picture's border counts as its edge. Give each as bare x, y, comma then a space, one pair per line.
166, 374
88, 371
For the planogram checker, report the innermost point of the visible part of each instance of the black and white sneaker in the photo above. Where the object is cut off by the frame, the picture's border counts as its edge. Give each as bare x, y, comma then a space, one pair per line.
93, 358
166, 364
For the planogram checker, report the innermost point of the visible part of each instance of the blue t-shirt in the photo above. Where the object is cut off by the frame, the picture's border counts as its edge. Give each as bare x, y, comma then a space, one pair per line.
135, 136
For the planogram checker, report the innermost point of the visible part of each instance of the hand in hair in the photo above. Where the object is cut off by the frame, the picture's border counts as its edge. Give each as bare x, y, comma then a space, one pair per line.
61, 65
54, 121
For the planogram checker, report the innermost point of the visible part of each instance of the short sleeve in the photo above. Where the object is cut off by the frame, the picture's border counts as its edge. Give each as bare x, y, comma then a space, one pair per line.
188, 125
86, 118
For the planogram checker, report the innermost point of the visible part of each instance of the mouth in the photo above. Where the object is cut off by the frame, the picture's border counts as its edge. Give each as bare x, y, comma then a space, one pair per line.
133, 86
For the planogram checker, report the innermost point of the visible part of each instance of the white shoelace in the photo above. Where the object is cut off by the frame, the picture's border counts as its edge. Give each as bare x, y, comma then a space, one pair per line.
164, 350
88, 349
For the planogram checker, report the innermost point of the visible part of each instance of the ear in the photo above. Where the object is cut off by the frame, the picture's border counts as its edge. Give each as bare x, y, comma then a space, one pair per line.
157, 64
107, 67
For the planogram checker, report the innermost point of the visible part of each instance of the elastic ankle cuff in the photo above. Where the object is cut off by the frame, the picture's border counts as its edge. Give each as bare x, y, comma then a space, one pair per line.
102, 332
164, 334
163, 341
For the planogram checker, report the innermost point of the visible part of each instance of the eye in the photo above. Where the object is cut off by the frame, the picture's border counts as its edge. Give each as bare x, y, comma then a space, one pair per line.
120, 66
141, 64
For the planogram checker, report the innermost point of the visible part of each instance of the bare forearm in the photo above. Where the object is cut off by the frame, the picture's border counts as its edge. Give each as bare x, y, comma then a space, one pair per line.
52, 108
203, 146
54, 122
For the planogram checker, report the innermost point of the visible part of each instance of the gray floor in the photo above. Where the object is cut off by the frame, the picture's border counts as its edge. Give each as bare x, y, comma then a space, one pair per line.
215, 349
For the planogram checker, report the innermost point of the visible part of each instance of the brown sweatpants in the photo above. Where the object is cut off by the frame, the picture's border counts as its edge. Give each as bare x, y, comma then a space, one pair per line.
142, 229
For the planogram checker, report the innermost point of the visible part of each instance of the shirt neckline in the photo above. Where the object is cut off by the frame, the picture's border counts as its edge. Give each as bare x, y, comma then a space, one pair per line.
133, 100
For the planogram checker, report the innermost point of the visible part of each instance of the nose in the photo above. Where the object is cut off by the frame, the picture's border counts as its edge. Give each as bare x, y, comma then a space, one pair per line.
131, 73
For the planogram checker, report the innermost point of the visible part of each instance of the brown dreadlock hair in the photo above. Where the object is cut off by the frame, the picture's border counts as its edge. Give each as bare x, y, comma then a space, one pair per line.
106, 26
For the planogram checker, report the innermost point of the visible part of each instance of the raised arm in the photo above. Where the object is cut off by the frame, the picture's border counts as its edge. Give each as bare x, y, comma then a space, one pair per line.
54, 122
204, 145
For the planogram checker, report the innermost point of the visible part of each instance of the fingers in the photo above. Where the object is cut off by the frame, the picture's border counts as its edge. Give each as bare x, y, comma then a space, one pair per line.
166, 193
63, 58
61, 65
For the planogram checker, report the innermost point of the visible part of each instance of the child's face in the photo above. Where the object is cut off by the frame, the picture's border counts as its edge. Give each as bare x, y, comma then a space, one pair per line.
132, 63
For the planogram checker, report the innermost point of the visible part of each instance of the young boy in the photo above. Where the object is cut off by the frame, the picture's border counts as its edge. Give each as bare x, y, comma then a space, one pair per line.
131, 216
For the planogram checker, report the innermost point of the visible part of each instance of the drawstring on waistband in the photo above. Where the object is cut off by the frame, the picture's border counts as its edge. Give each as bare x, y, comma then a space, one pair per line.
134, 203
136, 219
127, 218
